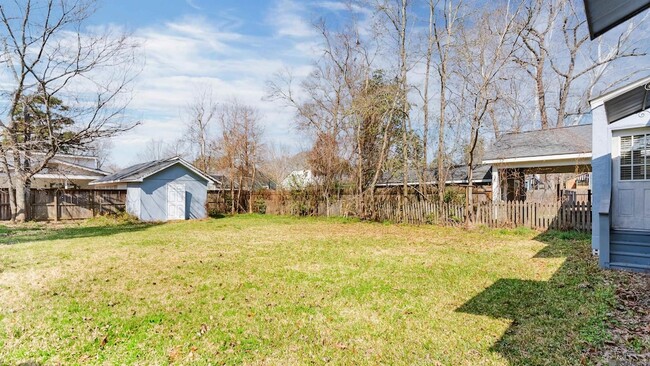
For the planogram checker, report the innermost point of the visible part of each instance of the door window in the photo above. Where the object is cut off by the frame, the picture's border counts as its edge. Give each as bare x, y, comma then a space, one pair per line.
635, 162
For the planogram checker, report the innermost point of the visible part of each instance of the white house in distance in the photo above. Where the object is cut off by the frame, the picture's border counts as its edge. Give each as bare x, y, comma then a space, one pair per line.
298, 179
621, 177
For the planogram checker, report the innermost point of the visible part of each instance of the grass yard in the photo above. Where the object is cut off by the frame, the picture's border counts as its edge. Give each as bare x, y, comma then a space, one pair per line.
284, 291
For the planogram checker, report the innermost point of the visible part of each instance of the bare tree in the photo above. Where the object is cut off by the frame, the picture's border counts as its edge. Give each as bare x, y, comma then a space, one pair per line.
280, 162
445, 27
559, 60
100, 149
324, 110
154, 149
486, 50
239, 148
200, 113
68, 88
397, 14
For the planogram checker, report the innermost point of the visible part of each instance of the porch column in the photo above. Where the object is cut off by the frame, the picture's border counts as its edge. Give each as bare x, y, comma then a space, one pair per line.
496, 185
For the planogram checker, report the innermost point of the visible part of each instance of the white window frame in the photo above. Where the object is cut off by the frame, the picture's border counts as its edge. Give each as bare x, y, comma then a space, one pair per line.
644, 151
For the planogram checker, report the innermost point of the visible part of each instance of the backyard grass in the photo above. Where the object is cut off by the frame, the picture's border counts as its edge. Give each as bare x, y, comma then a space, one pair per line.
283, 291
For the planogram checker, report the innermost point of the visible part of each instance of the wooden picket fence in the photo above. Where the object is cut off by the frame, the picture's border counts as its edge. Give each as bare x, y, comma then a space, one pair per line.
566, 215
534, 215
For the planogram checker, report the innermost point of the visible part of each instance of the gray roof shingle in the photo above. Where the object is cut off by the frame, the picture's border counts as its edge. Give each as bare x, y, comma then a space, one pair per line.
557, 141
136, 173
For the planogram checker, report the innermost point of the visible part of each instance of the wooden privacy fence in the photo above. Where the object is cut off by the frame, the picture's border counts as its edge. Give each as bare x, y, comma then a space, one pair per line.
535, 215
55, 204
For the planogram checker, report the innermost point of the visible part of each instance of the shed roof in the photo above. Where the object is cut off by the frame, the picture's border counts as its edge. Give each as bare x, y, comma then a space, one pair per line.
138, 172
552, 142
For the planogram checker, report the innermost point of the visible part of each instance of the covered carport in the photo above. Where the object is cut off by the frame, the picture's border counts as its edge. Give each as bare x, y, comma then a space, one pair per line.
514, 156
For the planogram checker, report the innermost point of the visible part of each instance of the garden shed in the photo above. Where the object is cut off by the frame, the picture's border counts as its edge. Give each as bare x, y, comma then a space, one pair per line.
162, 190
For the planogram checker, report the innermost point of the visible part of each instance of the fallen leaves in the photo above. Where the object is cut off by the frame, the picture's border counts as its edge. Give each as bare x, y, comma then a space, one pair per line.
630, 326
103, 342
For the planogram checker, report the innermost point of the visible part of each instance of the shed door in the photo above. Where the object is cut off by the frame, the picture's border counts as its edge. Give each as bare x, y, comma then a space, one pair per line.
175, 201
631, 182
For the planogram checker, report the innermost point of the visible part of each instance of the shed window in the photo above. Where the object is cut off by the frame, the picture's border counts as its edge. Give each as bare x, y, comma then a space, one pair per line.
635, 162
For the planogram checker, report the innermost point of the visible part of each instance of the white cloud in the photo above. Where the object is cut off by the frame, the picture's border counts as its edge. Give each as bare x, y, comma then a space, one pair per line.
191, 52
289, 20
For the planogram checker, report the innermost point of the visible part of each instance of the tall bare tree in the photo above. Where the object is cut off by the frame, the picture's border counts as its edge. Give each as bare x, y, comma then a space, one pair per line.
200, 113
238, 148
561, 62
484, 56
397, 14
68, 85
445, 28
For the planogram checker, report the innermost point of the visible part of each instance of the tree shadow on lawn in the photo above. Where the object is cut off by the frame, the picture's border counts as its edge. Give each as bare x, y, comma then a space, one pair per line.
18, 235
554, 322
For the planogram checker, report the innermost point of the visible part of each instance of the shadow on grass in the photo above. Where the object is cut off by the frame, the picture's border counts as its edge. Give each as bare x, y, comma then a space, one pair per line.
554, 322
18, 235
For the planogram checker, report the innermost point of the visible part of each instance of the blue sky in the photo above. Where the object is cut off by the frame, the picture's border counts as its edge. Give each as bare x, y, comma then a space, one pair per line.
232, 46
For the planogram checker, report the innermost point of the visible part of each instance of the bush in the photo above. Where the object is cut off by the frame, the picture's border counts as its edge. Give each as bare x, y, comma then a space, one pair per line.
259, 206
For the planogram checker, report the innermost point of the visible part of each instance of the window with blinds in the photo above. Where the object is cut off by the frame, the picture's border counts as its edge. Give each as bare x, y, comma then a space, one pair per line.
635, 163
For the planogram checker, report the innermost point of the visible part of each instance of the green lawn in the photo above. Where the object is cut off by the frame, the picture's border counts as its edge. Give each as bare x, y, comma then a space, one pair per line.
282, 291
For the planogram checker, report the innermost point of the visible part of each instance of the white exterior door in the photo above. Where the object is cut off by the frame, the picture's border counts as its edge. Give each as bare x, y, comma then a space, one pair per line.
631, 181
175, 201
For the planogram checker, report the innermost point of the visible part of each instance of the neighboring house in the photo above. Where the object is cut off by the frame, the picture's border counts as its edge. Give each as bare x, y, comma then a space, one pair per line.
62, 171
161, 190
564, 152
621, 177
298, 179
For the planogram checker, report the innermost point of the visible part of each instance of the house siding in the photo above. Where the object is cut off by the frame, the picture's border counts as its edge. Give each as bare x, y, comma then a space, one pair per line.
153, 193
602, 188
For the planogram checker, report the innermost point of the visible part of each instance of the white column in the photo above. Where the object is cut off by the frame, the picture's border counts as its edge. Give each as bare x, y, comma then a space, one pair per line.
496, 185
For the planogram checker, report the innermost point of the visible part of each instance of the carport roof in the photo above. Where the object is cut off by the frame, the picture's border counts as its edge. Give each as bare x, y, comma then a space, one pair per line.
138, 172
557, 142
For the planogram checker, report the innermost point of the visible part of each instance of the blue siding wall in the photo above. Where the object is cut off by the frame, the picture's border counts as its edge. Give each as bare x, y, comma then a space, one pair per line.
602, 177
153, 194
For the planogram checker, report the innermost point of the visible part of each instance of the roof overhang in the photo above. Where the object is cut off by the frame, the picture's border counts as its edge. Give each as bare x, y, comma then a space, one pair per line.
603, 15
542, 161
64, 176
625, 101
171, 163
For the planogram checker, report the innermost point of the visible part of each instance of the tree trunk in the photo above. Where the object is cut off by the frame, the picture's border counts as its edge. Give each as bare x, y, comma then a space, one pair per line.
541, 92
403, 75
11, 186
441, 139
250, 197
21, 200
